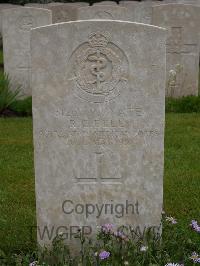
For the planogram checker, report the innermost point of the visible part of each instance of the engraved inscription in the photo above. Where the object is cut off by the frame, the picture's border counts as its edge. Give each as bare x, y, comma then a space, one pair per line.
99, 68
25, 23
176, 44
107, 166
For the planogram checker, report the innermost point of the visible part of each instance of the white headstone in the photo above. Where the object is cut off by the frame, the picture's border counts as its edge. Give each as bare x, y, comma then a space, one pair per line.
17, 23
79, 4
63, 12
105, 3
98, 112
182, 22
36, 5
3, 7
112, 12
141, 11
191, 2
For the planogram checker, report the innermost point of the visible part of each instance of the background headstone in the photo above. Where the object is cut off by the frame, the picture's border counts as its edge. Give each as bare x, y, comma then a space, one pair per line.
141, 11
36, 5
191, 2
182, 22
17, 23
79, 4
98, 112
112, 12
3, 7
105, 3
63, 12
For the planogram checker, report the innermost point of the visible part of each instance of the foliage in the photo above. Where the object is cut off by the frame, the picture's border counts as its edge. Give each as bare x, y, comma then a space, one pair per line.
188, 104
22, 107
117, 247
7, 96
17, 196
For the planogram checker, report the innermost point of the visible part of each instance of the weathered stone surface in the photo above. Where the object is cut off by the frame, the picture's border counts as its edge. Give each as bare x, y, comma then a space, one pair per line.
79, 4
63, 12
191, 2
17, 23
3, 7
182, 22
105, 3
36, 5
141, 11
98, 111
112, 12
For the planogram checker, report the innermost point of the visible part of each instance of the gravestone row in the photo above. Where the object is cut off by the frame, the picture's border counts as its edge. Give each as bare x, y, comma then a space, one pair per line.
182, 47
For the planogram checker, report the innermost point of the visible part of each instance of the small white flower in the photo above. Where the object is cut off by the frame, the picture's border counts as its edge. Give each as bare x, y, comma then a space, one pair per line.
34, 263
96, 254
171, 220
126, 263
172, 264
143, 248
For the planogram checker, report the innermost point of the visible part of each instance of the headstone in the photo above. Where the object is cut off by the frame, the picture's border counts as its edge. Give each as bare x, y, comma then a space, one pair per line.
111, 12
105, 3
63, 12
36, 5
55, 3
98, 112
182, 22
191, 2
3, 7
17, 23
141, 11
80, 4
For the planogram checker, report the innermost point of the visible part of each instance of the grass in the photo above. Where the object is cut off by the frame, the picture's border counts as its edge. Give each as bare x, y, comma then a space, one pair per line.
17, 201
182, 168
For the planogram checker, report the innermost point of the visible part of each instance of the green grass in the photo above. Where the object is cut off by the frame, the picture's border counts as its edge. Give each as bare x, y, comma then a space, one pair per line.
182, 168
17, 201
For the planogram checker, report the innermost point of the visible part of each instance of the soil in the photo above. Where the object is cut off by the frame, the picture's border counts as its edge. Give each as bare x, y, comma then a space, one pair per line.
9, 113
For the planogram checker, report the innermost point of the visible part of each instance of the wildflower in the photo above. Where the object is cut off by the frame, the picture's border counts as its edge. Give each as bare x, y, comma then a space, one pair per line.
107, 228
143, 248
104, 255
126, 263
121, 235
171, 220
34, 263
96, 254
195, 226
195, 257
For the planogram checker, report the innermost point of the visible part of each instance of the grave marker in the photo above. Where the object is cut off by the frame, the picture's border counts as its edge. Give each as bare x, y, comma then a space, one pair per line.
182, 22
98, 111
17, 23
